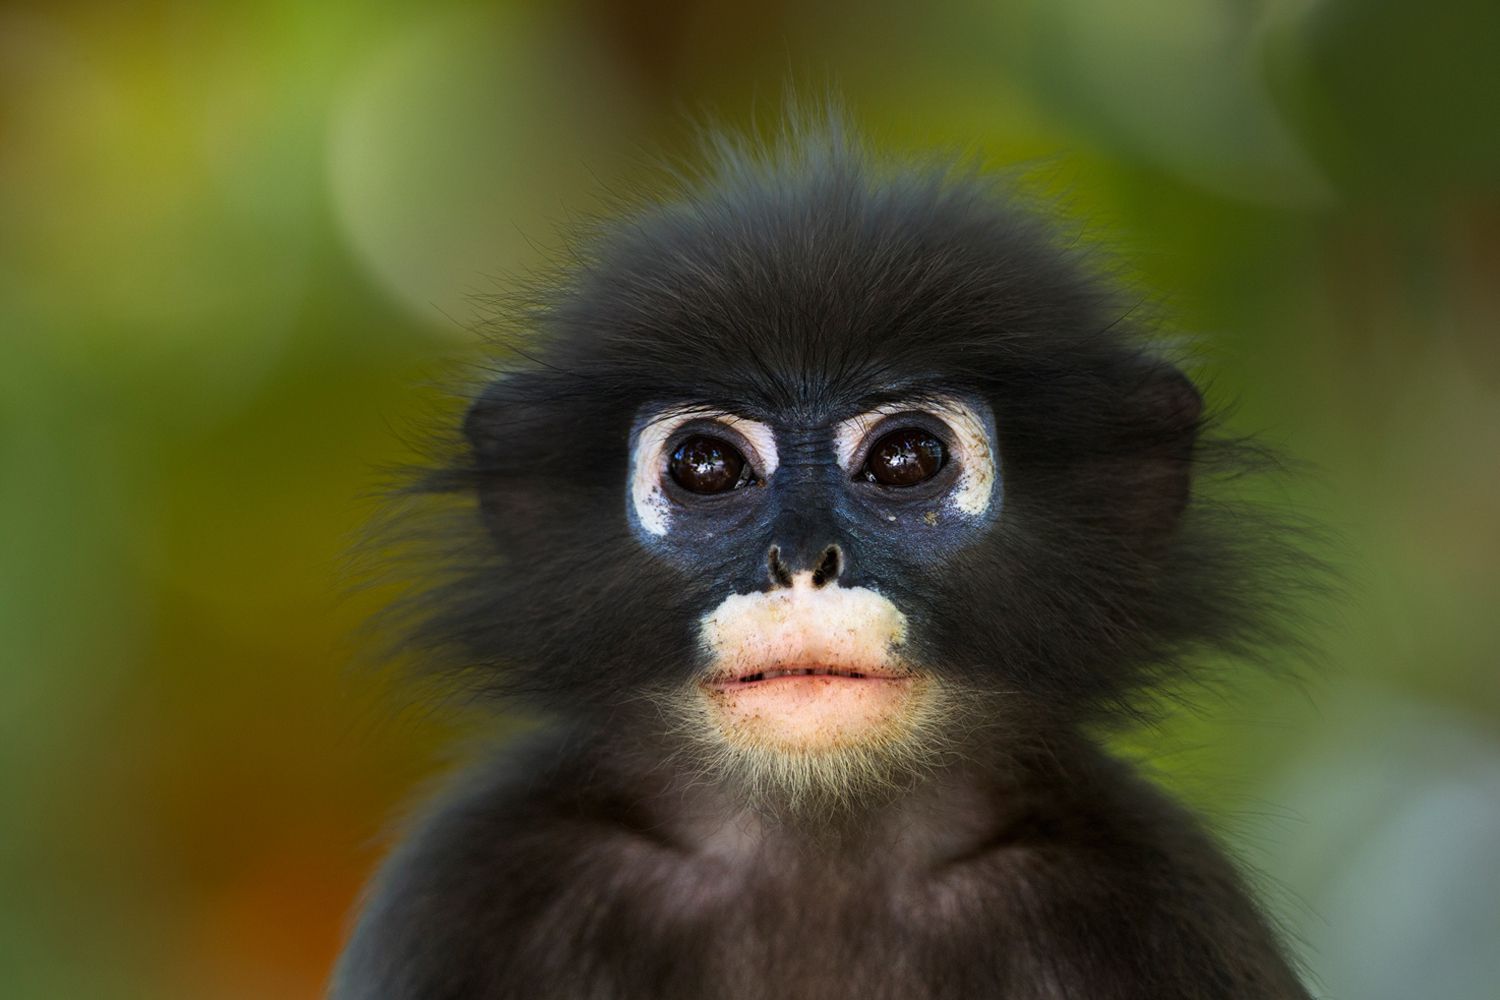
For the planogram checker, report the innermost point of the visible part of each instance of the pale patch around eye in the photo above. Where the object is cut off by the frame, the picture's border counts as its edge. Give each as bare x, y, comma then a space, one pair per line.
648, 500
971, 445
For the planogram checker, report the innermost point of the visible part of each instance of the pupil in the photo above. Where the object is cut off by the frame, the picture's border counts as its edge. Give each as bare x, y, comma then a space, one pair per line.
905, 457
704, 464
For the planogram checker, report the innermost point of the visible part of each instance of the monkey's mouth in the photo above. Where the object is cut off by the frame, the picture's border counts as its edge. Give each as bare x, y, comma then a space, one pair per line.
810, 708
784, 673
806, 670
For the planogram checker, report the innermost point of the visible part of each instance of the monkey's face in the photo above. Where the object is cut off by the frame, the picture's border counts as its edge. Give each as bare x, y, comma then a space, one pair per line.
813, 532
840, 475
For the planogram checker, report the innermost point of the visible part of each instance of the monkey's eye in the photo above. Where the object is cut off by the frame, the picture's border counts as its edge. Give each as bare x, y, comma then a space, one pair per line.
704, 464
904, 457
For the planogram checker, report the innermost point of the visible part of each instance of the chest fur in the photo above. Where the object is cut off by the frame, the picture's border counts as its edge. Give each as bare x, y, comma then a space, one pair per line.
636, 921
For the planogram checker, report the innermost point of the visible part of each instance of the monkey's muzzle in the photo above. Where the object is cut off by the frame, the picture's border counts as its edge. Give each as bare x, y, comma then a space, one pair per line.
805, 668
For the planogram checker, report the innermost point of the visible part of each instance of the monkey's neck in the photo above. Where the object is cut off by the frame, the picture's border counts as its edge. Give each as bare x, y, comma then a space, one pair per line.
971, 802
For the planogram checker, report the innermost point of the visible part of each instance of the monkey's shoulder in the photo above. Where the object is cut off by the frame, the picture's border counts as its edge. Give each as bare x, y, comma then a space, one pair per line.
529, 867
1112, 881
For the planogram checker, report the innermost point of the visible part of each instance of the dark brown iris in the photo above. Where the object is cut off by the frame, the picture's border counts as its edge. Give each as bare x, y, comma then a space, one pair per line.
704, 464
904, 457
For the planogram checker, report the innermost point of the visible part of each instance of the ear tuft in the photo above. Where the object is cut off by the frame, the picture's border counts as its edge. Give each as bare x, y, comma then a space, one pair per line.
1167, 411
479, 421
1172, 404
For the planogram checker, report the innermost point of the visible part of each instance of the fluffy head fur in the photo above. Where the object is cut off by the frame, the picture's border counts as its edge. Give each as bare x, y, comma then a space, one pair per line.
801, 287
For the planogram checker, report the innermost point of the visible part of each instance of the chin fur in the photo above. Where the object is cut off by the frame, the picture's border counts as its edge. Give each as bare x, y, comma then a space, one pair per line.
823, 782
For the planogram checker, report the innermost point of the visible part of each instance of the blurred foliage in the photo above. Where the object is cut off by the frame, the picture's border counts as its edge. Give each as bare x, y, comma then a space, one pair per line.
236, 241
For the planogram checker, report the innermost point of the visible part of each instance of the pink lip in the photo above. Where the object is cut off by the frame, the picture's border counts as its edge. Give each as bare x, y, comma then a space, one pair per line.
769, 675
807, 707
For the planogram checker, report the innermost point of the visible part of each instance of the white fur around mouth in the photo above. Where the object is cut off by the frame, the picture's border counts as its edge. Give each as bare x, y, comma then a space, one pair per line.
807, 668
829, 628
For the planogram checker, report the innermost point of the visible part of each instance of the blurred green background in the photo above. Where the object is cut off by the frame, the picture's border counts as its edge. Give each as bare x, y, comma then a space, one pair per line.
238, 244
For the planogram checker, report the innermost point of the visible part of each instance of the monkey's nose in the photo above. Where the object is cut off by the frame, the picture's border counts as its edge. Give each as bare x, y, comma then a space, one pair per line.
825, 569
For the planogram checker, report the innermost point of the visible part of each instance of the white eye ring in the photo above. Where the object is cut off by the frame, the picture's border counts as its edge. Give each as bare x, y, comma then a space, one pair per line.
972, 446
649, 503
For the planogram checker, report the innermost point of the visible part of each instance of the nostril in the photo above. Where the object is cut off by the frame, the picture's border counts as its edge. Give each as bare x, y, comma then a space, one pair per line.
829, 567
780, 575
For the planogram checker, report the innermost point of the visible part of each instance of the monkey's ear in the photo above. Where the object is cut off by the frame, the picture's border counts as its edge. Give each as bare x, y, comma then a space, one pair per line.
510, 497
485, 414
1166, 412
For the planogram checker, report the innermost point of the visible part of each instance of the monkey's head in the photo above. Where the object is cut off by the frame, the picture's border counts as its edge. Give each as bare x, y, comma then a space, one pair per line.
832, 468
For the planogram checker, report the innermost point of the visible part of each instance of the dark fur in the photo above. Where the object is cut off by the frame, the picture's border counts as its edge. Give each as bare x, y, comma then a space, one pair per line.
803, 286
